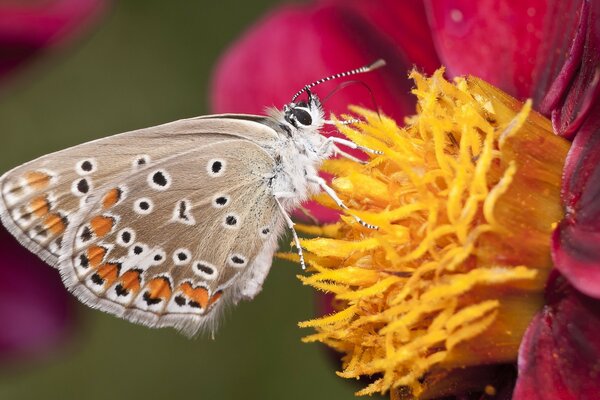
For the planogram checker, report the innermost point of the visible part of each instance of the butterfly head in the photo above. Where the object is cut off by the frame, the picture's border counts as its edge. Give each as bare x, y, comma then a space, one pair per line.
306, 115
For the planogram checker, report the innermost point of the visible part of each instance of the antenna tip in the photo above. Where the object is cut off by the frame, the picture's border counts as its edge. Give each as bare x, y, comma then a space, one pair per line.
376, 64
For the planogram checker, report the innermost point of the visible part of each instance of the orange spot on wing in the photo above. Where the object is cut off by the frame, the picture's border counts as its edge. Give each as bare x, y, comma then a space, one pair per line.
101, 225
37, 179
39, 206
108, 272
159, 288
131, 281
95, 255
215, 297
55, 224
111, 198
199, 294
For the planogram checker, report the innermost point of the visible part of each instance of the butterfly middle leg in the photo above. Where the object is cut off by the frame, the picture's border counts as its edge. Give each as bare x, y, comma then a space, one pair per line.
333, 140
331, 193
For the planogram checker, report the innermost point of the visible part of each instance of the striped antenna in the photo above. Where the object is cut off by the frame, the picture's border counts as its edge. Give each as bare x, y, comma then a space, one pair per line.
367, 68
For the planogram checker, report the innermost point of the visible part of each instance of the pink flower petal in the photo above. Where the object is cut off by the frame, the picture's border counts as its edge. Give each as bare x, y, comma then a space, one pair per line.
576, 241
36, 311
26, 28
559, 356
518, 46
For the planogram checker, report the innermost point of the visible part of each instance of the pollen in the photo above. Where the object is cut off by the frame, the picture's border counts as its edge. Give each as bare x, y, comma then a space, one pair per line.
466, 195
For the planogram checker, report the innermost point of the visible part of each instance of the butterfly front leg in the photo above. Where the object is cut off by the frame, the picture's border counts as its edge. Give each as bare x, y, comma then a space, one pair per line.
290, 223
331, 193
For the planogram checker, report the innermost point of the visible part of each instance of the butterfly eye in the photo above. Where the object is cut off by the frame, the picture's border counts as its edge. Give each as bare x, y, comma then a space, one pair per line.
302, 116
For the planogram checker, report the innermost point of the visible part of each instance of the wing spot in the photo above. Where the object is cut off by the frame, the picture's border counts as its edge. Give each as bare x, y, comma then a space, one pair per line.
151, 300
159, 180
237, 260
81, 187
264, 232
182, 213
140, 161
231, 221
158, 257
159, 289
40, 206
180, 300
198, 296
205, 270
102, 225
106, 273
96, 279
125, 237
216, 167
86, 234
181, 256
84, 262
95, 255
38, 179
111, 198
56, 223
85, 167
130, 281
220, 200
120, 290
143, 206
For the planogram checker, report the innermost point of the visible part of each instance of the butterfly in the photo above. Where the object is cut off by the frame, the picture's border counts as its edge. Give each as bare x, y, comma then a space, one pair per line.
167, 225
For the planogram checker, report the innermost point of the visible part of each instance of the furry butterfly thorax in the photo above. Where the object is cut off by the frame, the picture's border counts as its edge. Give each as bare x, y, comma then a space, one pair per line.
165, 226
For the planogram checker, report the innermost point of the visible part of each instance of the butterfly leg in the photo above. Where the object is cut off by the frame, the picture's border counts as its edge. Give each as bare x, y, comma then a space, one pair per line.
290, 225
340, 152
352, 145
330, 144
327, 189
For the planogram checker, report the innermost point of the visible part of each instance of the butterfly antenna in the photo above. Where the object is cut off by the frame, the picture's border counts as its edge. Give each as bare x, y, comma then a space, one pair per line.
344, 85
367, 68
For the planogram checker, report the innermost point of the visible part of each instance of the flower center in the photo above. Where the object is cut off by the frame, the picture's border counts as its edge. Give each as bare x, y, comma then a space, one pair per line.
466, 197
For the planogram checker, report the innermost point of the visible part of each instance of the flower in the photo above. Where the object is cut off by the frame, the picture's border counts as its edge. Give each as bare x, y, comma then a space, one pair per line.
465, 197
26, 30
36, 312
543, 50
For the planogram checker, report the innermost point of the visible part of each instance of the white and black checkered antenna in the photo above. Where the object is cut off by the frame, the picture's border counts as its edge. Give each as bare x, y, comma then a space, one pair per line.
367, 68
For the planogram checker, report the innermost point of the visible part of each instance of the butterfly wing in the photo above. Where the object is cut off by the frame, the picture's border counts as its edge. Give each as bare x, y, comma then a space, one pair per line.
38, 199
177, 221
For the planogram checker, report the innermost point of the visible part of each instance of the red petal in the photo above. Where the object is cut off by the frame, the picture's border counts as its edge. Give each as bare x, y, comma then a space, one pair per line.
559, 356
518, 46
404, 24
25, 29
36, 311
496, 41
576, 241
576, 88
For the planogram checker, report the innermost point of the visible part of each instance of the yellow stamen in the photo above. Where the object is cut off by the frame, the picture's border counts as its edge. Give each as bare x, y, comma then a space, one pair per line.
466, 197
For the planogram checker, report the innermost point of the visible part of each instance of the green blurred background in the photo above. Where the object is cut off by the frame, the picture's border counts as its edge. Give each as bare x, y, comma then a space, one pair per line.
148, 62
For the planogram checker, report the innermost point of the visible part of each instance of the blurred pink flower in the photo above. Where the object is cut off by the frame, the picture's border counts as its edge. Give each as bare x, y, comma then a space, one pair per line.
545, 50
29, 28
36, 311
